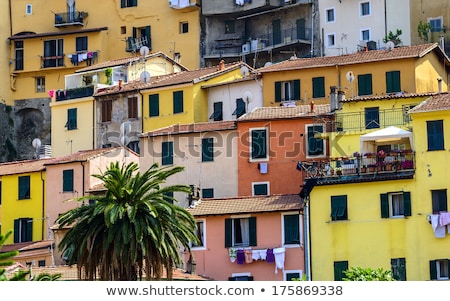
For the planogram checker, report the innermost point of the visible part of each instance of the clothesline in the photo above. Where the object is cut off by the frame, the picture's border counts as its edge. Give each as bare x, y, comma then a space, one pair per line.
249, 255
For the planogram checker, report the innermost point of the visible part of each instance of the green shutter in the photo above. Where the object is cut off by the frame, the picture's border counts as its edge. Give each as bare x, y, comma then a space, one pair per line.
259, 144
207, 149
167, 153
301, 29
178, 102
407, 203
29, 231
384, 204
123, 3
252, 230
277, 91
365, 84
393, 82
228, 233
296, 95
68, 180
276, 31
148, 34
16, 230
153, 103
433, 270
291, 229
71, 119
318, 87
339, 268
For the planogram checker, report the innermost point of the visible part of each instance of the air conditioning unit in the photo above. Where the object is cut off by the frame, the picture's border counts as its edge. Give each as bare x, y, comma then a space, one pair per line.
246, 48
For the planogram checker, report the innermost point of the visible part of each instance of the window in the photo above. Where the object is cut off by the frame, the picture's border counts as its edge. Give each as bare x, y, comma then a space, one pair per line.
240, 232
240, 108
331, 40
364, 84
293, 275
18, 55
153, 102
106, 110
184, 27
365, 34
68, 180
439, 269
436, 24
178, 102
123, 29
200, 233
207, 149
291, 229
435, 135
439, 200
167, 153
393, 82
41, 263
365, 9
339, 208
258, 144
217, 115
372, 118
260, 188
329, 15
23, 230
132, 107
168, 197
208, 193
339, 268
405, 110
81, 43
229, 26
53, 53
241, 277
287, 90
142, 36
128, 3
314, 146
28, 9
40, 84
398, 268
24, 187
134, 146
395, 204
318, 87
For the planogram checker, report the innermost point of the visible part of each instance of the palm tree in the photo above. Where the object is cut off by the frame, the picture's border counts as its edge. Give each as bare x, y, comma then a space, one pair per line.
6, 259
130, 230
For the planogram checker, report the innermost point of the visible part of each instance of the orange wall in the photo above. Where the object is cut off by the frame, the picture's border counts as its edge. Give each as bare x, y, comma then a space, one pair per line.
215, 263
286, 145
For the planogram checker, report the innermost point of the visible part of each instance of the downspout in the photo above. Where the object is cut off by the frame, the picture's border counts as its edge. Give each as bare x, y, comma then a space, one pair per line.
82, 179
94, 125
44, 218
10, 18
307, 239
312, 29
142, 111
385, 19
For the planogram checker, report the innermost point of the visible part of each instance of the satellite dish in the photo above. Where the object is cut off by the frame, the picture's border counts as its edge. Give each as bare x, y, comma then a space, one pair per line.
390, 45
267, 64
350, 76
145, 77
248, 96
144, 50
244, 71
36, 142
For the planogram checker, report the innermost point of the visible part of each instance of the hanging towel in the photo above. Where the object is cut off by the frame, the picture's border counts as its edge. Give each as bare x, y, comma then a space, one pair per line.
279, 258
263, 254
434, 221
444, 218
255, 255
248, 256
440, 232
270, 258
232, 254
240, 256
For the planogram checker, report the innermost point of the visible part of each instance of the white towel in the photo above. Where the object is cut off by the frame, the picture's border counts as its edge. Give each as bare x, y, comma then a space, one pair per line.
278, 253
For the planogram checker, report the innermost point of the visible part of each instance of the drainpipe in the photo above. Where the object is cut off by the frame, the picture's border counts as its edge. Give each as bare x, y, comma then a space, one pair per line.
10, 19
82, 179
307, 239
44, 219
142, 111
312, 29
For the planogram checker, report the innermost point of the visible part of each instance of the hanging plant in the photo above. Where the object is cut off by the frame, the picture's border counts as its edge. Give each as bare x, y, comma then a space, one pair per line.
108, 74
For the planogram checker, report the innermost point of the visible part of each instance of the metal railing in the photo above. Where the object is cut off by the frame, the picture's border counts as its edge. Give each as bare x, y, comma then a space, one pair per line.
74, 93
70, 18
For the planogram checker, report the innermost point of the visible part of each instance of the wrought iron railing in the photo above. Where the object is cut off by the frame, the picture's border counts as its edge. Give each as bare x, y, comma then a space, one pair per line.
70, 18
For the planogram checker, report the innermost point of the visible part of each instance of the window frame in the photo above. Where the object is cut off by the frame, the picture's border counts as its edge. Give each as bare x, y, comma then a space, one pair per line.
178, 105
339, 267
327, 15
318, 85
372, 117
208, 149
387, 204
398, 268
128, 3
363, 33
19, 55
309, 153
133, 107
365, 9
167, 153
287, 225
217, 114
184, 27
266, 183
230, 235
53, 54
439, 201
229, 26
153, 103
24, 187
435, 135
287, 90
207, 193
241, 108
201, 236
28, 9
81, 43
107, 107
259, 157
331, 44
393, 81
339, 202
68, 180
440, 20
435, 269
24, 227
365, 84
40, 84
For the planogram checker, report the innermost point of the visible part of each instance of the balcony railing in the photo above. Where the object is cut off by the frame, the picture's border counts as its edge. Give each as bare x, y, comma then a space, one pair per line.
359, 121
70, 18
74, 93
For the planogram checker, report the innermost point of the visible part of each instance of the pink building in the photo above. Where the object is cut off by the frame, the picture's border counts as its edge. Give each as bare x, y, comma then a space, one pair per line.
249, 238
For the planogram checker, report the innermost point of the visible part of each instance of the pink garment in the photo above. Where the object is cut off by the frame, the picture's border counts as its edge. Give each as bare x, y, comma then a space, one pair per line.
444, 218
248, 256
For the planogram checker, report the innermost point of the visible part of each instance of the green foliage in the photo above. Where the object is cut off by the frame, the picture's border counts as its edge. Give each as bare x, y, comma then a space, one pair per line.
395, 38
367, 274
108, 74
6, 259
423, 29
47, 277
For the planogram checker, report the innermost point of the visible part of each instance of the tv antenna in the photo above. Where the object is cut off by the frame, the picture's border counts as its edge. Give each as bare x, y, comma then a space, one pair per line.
36, 144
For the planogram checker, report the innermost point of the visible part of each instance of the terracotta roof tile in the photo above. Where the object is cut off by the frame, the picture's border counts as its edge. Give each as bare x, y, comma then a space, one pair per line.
388, 96
299, 111
285, 202
438, 102
26, 166
83, 155
192, 128
37, 245
404, 52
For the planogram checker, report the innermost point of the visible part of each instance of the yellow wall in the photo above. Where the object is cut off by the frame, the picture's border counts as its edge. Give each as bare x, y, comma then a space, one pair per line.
428, 69
27, 208
65, 142
5, 91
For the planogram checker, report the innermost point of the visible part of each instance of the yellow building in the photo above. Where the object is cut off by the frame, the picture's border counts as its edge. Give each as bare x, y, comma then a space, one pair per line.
23, 202
180, 98
409, 69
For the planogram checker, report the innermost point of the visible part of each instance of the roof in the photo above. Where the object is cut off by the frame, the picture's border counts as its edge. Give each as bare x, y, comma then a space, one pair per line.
388, 96
177, 78
437, 102
84, 155
126, 61
31, 35
264, 113
177, 129
37, 245
26, 166
253, 204
251, 77
405, 52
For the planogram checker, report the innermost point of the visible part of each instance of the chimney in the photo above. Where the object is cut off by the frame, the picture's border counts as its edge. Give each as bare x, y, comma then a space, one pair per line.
311, 107
340, 98
221, 65
333, 98
439, 79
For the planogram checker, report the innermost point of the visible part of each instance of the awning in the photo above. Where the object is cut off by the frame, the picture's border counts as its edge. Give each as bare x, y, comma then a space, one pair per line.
384, 136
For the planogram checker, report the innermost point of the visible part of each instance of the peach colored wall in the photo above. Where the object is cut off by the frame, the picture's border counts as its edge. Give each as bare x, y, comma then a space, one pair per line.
286, 146
213, 261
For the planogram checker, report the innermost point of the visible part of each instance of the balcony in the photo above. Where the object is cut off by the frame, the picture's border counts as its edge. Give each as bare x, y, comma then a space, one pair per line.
236, 46
186, 5
79, 92
70, 19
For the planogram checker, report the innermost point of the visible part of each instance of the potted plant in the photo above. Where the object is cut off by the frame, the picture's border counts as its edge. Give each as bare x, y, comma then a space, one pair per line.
381, 154
363, 169
407, 164
380, 165
108, 74
371, 167
338, 171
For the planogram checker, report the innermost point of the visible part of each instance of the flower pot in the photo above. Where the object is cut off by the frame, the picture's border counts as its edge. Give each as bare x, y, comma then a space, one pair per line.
388, 167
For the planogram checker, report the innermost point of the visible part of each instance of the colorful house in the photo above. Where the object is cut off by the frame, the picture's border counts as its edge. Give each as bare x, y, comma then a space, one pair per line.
250, 238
